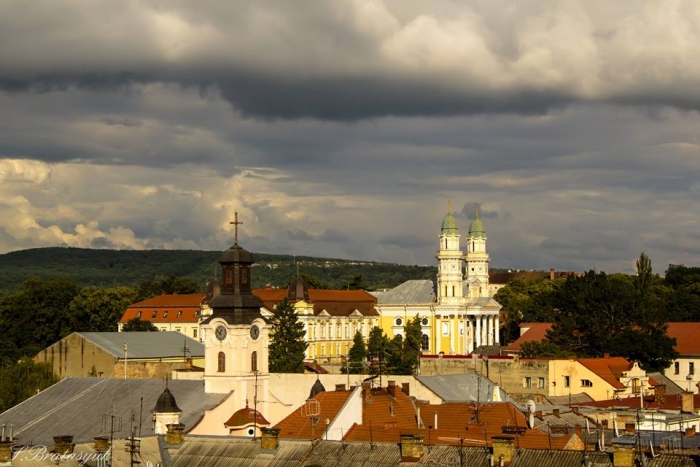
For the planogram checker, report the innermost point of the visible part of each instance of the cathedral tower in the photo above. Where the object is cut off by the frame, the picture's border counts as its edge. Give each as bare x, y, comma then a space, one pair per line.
476, 258
449, 256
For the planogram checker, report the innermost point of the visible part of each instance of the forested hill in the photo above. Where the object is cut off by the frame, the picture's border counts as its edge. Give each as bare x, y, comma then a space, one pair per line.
130, 267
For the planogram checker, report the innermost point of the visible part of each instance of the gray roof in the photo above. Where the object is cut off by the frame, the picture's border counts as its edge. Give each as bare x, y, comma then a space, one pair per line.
469, 387
410, 292
671, 387
214, 451
145, 344
76, 406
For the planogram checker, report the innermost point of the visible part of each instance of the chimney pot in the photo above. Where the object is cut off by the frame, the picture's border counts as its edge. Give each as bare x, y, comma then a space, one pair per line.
270, 441
623, 455
340, 387
101, 444
503, 449
175, 434
555, 412
687, 402
406, 388
63, 444
411, 448
391, 388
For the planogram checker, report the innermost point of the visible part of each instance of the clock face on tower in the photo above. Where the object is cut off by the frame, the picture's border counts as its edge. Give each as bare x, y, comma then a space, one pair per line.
254, 331
220, 332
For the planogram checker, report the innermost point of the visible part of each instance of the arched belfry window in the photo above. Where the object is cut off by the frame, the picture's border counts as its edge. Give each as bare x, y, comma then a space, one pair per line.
222, 362
425, 342
254, 362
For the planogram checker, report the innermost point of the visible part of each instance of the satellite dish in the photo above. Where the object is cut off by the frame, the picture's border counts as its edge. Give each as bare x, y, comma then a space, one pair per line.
531, 407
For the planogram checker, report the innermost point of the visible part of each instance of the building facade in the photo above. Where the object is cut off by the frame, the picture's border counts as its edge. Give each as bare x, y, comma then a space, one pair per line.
457, 312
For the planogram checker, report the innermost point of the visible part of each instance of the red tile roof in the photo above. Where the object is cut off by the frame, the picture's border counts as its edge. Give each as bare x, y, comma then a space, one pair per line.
298, 424
244, 417
335, 302
537, 333
166, 308
609, 368
670, 402
687, 337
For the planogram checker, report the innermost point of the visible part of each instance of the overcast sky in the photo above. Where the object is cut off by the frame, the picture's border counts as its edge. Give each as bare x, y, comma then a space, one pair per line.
341, 129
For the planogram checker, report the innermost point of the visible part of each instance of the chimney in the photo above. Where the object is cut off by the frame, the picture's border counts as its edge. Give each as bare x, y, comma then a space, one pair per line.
660, 393
630, 427
340, 387
391, 389
690, 431
551, 274
175, 434
101, 444
63, 444
270, 440
574, 409
411, 448
687, 402
606, 355
604, 424
538, 414
405, 388
503, 449
5, 451
623, 455
555, 412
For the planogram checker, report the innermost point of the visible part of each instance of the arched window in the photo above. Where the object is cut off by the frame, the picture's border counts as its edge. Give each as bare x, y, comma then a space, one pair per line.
222, 362
254, 362
425, 342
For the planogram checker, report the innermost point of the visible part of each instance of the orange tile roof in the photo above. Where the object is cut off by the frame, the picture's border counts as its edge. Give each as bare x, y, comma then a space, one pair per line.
298, 424
687, 337
244, 417
166, 308
670, 402
335, 302
608, 368
537, 333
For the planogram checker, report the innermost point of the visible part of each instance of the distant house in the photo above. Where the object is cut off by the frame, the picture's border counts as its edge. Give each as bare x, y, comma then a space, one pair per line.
685, 370
170, 312
145, 354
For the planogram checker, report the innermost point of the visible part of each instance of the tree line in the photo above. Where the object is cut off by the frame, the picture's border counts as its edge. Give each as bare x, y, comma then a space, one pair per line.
599, 313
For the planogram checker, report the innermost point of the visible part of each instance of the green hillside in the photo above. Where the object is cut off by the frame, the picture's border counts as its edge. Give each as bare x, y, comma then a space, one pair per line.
129, 267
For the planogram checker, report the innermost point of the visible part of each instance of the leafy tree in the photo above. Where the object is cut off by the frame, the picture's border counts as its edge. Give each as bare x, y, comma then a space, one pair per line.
356, 283
527, 300
357, 354
166, 285
545, 348
97, 309
395, 357
287, 344
136, 325
377, 350
411, 346
23, 380
653, 350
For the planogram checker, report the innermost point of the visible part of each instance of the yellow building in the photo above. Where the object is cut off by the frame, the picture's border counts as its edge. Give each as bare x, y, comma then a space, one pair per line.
456, 311
170, 312
331, 317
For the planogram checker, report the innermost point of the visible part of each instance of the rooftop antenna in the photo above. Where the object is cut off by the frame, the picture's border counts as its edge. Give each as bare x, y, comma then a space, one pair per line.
133, 444
185, 351
125, 357
235, 227
311, 410
531, 407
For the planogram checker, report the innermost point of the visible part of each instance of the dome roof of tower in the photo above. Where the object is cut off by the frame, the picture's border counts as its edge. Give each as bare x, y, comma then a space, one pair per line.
476, 228
449, 225
317, 388
236, 254
298, 290
166, 403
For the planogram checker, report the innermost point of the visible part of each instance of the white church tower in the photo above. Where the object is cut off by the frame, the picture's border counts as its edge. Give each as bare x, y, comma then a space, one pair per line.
450, 260
477, 259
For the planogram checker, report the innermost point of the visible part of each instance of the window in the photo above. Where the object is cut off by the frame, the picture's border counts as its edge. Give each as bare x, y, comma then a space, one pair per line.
323, 331
398, 321
178, 329
165, 314
196, 314
445, 329
163, 329
194, 333
691, 368
254, 362
179, 314
424, 321
676, 368
154, 314
138, 315
527, 382
586, 383
222, 362
347, 331
330, 331
425, 342
540, 383
461, 328
567, 381
453, 290
229, 278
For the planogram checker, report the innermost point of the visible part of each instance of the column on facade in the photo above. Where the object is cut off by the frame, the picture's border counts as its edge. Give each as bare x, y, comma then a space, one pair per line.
477, 339
483, 331
498, 329
453, 331
489, 330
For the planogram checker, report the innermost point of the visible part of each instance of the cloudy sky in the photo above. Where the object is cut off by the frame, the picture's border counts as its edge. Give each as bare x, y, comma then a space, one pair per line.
342, 128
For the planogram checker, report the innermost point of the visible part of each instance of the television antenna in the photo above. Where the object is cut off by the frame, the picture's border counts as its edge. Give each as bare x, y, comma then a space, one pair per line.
312, 410
531, 408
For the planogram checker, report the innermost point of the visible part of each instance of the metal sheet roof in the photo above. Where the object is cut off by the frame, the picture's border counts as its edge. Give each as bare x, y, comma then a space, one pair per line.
77, 407
468, 387
145, 344
410, 292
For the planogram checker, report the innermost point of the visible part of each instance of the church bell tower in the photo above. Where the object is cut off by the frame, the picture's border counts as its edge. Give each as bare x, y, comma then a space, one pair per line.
449, 256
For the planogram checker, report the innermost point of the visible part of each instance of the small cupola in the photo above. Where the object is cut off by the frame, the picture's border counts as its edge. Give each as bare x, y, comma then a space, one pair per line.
316, 389
166, 412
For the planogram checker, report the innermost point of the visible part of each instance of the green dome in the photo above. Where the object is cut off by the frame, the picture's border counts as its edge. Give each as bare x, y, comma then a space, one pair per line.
476, 228
449, 225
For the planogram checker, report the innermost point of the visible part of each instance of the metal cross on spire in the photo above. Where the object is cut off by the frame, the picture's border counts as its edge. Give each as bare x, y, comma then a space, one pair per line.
476, 210
236, 224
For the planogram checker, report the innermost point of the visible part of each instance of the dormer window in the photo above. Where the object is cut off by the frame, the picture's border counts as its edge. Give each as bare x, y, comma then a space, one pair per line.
165, 314
154, 314
179, 314
138, 315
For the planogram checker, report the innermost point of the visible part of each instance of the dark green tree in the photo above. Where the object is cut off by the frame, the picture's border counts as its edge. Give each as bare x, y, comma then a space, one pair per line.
136, 325
287, 344
377, 350
411, 346
357, 354
22, 380
166, 285
394, 357
97, 309
545, 348
654, 350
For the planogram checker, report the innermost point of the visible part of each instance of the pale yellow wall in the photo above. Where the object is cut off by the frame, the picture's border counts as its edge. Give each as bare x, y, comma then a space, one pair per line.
75, 356
600, 389
189, 329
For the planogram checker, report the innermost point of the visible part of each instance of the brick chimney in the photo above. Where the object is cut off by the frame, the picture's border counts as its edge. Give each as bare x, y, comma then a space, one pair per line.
175, 434
503, 450
406, 388
411, 448
623, 455
5, 451
391, 389
690, 432
687, 402
270, 439
660, 393
575, 409
63, 444
555, 412
630, 427
340, 387
101, 444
